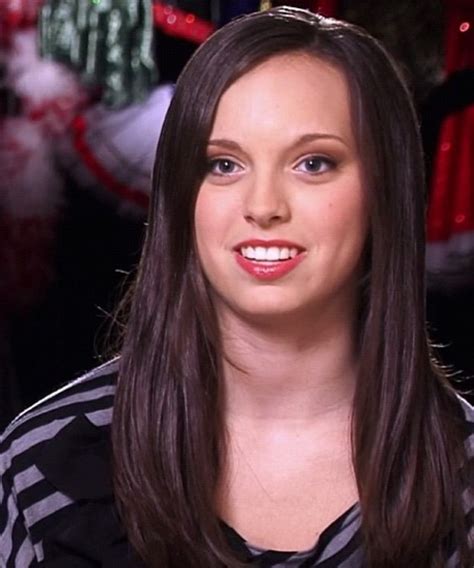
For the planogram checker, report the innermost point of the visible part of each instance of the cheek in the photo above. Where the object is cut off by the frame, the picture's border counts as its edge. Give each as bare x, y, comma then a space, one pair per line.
344, 222
212, 222
200, 215
345, 215
205, 210
217, 210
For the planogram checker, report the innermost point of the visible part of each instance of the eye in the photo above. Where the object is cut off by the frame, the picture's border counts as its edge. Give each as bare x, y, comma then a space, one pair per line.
315, 165
223, 166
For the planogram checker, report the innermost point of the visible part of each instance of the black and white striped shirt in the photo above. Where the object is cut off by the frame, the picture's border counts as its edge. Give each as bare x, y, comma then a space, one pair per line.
56, 501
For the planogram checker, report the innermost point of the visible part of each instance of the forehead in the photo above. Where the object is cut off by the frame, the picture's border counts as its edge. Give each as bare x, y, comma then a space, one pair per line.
286, 94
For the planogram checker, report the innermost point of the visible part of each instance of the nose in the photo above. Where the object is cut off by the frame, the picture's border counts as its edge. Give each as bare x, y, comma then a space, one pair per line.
266, 202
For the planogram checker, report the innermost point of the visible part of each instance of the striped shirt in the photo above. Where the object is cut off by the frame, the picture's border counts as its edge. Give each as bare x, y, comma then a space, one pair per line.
56, 501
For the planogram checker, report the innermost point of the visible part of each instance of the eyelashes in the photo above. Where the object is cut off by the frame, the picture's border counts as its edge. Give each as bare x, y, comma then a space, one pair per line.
315, 165
223, 166
312, 165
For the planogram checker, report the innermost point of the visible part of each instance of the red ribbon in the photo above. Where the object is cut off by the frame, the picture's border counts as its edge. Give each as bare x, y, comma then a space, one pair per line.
105, 177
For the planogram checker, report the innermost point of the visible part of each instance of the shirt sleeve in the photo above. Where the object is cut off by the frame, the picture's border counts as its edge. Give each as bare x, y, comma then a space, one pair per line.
16, 547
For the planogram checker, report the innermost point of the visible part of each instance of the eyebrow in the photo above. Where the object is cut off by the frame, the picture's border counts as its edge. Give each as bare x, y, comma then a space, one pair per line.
310, 137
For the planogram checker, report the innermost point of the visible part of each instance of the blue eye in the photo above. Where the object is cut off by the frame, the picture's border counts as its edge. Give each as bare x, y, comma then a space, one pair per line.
315, 165
223, 166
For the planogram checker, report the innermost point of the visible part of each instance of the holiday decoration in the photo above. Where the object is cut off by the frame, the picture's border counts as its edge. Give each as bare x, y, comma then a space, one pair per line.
114, 150
176, 22
50, 93
107, 42
450, 254
48, 97
16, 14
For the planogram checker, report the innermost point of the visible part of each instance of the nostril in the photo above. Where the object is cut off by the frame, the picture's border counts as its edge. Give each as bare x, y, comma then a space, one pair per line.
264, 220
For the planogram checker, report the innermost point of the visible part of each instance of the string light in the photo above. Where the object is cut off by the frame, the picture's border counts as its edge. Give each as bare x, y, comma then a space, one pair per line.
178, 23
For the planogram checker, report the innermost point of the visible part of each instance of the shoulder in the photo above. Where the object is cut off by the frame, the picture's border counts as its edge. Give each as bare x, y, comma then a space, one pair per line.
468, 418
90, 395
467, 469
48, 455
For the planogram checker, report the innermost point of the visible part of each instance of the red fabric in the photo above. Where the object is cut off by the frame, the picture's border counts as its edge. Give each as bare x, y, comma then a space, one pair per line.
181, 24
185, 25
326, 7
459, 35
16, 14
451, 207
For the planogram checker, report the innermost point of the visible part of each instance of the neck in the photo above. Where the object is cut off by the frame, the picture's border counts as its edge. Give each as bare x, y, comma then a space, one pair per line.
302, 376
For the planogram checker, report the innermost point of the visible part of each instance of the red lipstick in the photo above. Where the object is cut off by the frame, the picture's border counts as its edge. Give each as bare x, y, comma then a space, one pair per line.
268, 243
267, 270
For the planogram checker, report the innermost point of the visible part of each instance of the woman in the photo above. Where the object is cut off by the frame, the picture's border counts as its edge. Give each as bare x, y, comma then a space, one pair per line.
276, 400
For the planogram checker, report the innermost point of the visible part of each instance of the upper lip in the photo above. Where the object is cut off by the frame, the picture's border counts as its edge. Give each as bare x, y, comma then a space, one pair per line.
268, 243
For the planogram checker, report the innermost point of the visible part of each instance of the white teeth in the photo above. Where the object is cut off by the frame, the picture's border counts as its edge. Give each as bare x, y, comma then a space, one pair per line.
268, 254
260, 253
248, 252
273, 253
284, 253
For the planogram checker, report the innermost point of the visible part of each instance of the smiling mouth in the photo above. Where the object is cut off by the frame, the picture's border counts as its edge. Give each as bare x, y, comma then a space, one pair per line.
268, 261
268, 254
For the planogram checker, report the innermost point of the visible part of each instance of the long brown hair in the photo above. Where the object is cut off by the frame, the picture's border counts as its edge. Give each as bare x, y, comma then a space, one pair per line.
167, 425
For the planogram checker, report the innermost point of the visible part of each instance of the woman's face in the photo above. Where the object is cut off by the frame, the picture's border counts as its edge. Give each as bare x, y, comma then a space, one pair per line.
280, 217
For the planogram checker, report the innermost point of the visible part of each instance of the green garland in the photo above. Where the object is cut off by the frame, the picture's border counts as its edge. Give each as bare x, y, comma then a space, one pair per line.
108, 42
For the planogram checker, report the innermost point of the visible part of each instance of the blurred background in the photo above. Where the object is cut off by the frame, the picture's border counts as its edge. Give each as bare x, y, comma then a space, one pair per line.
84, 86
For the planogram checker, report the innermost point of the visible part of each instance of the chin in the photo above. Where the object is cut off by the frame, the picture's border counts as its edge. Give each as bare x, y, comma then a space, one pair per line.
265, 309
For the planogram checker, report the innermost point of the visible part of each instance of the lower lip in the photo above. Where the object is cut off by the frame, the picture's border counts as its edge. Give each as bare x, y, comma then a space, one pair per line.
268, 270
